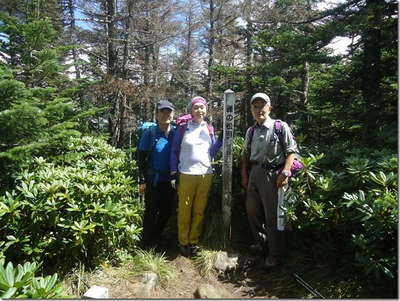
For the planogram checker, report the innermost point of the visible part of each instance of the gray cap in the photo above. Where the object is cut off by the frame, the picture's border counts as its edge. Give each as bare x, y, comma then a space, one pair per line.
262, 96
165, 104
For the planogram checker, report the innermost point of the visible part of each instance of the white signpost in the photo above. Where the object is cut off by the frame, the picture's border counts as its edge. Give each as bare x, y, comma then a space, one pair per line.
229, 114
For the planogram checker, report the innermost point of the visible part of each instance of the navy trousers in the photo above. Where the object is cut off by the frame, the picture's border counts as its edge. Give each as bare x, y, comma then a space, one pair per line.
158, 205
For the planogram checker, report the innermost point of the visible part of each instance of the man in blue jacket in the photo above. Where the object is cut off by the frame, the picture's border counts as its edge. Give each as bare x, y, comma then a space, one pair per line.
154, 174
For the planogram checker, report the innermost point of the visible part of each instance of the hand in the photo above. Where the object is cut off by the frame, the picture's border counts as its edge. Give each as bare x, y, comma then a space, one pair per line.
142, 189
173, 183
282, 180
173, 180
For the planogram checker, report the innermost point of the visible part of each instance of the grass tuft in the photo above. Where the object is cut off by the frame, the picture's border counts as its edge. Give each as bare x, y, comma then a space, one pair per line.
204, 261
150, 261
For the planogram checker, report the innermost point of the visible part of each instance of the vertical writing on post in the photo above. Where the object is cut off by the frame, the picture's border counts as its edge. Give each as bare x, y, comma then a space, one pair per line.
229, 111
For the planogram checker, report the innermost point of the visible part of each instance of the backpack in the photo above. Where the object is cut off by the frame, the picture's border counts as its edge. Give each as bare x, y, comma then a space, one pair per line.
297, 164
182, 122
143, 127
152, 126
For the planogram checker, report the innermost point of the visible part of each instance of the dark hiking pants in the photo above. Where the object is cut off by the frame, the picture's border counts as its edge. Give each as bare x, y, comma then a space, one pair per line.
261, 206
158, 205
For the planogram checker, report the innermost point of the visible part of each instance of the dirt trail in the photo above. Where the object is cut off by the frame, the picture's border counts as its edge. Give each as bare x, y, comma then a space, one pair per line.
249, 280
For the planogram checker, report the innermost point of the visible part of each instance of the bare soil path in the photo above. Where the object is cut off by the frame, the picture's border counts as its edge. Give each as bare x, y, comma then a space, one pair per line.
249, 280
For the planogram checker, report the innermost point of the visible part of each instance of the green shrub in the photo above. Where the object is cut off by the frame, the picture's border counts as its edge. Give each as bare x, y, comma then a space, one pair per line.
350, 211
21, 282
79, 207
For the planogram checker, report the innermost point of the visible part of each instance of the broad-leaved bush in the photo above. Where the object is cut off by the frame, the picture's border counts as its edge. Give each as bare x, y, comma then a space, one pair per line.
80, 206
349, 215
22, 283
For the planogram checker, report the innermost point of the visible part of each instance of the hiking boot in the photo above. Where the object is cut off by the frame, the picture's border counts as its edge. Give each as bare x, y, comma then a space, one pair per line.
271, 262
185, 250
194, 250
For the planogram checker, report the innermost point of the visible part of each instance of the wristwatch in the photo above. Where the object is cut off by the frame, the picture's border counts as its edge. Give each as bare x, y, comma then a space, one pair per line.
286, 173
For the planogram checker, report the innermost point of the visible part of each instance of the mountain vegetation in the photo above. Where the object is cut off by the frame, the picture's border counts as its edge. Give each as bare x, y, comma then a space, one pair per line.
78, 76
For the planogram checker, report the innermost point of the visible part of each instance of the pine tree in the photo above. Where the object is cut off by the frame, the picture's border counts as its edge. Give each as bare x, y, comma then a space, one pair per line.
36, 111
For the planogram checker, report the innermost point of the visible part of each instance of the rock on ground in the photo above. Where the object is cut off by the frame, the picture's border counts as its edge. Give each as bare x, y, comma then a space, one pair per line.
224, 262
149, 282
207, 291
96, 292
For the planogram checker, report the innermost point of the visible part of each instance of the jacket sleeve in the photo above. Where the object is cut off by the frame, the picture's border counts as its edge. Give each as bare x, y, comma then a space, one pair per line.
142, 158
176, 149
143, 151
288, 141
215, 146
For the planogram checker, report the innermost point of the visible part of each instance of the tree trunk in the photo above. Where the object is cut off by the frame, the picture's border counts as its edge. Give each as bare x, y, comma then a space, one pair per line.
211, 45
118, 120
247, 118
75, 57
305, 84
111, 35
128, 27
372, 75
155, 55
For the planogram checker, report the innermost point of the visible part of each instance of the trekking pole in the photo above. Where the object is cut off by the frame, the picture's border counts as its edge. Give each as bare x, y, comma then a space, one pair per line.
308, 287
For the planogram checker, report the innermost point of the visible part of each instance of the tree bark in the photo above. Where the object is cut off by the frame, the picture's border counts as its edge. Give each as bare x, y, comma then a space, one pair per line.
305, 84
372, 74
128, 28
211, 45
75, 57
247, 118
111, 37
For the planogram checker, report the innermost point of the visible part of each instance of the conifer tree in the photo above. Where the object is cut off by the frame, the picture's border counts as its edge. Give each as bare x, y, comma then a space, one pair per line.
36, 110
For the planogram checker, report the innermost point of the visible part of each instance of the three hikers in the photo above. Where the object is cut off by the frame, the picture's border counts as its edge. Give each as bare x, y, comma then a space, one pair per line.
185, 153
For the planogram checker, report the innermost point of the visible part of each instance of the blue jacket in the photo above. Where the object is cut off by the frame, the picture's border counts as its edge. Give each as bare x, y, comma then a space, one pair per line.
154, 153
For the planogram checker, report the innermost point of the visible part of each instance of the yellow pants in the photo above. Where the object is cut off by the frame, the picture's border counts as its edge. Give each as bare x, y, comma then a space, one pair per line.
193, 194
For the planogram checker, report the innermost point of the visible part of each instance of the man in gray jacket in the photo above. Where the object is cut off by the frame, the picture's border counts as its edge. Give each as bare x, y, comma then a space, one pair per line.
266, 161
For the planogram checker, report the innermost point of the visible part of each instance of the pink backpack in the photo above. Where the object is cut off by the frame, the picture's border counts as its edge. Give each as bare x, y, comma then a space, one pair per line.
183, 120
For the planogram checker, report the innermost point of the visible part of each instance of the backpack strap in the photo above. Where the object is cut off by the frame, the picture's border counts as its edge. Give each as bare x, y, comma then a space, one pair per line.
153, 140
278, 128
183, 126
251, 134
210, 129
181, 130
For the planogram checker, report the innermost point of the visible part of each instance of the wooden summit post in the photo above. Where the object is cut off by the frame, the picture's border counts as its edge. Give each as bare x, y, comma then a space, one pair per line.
229, 114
